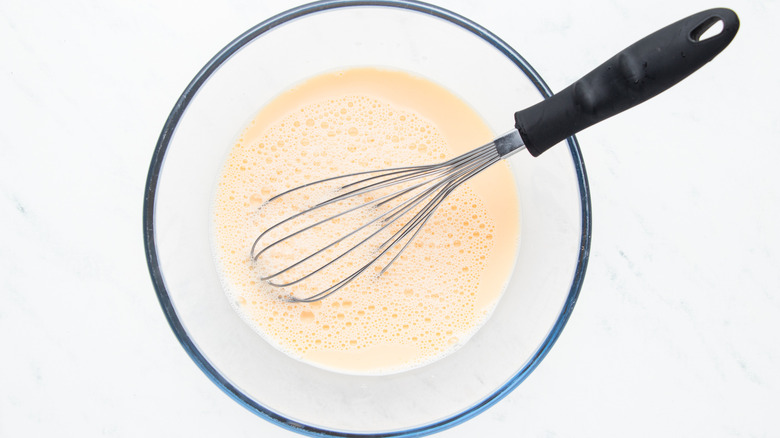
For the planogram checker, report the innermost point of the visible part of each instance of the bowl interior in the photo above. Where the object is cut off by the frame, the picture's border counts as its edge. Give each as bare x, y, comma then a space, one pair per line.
270, 58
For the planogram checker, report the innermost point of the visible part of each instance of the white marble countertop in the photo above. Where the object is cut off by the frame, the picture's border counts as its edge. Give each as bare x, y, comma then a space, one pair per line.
675, 332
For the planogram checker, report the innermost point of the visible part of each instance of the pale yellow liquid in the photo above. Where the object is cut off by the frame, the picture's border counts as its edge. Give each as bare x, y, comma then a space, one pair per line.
443, 287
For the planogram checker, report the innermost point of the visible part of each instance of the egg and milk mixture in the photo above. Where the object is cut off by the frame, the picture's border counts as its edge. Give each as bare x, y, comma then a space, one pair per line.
443, 287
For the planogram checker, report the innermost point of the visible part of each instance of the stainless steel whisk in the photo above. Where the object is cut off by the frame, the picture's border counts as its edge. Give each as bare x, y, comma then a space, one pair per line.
431, 184
634, 75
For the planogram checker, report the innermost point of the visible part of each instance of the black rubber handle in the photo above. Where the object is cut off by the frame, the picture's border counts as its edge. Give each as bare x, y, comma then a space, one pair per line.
641, 71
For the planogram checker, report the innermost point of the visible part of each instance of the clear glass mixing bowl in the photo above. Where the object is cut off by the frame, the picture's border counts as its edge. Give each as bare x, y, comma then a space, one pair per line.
267, 59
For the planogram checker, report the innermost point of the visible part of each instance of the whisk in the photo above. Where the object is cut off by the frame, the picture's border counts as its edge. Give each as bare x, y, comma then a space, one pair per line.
395, 204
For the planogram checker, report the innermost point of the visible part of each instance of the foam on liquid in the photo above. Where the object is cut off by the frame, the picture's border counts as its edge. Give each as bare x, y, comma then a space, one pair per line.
443, 287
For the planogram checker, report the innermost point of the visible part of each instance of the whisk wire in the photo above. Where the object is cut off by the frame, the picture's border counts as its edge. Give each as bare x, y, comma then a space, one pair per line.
378, 202
430, 185
455, 177
393, 212
419, 221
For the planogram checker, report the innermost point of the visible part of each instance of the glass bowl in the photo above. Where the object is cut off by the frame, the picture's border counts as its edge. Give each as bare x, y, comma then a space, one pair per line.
269, 58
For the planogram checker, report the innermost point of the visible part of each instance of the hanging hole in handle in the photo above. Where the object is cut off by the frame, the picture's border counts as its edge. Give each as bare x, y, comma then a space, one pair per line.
709, 28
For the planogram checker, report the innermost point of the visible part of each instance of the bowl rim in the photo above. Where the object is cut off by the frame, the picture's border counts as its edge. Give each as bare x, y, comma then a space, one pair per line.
156, 166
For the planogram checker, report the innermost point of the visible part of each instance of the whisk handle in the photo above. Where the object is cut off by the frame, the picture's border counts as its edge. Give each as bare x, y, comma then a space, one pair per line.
639, 72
